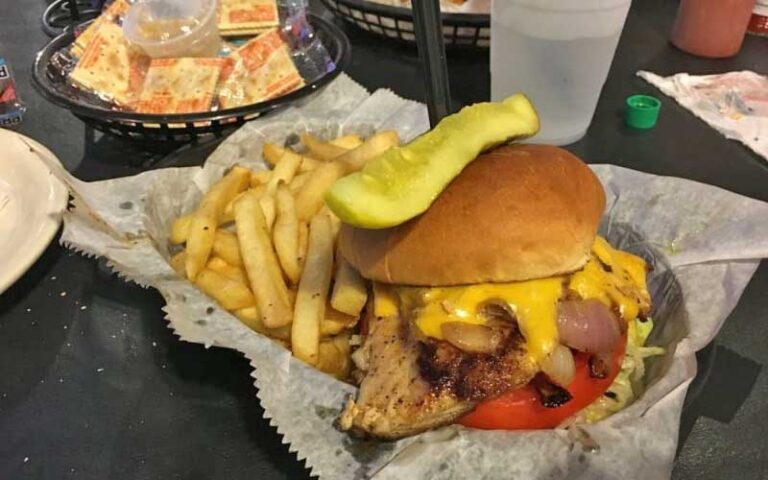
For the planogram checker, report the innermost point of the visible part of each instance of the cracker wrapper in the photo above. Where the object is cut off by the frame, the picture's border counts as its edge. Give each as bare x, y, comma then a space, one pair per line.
110, 66
262, 69
703, 242
238, 17
112, 14
180, 85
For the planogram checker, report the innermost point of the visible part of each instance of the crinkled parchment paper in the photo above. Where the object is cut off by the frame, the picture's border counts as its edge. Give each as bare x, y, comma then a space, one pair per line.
705, 243
734, 103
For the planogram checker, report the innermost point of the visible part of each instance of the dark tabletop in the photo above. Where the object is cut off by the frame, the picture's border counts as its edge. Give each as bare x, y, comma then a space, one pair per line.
94, 386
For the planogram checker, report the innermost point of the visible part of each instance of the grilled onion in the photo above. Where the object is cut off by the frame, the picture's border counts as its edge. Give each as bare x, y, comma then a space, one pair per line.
559, 366
472, 338
587, 325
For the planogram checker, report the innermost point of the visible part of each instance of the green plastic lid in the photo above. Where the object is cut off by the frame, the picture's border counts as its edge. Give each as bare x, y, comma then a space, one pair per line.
642, 111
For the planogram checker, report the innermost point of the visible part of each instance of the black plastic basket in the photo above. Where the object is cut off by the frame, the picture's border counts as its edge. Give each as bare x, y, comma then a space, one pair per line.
181, 128
459, 29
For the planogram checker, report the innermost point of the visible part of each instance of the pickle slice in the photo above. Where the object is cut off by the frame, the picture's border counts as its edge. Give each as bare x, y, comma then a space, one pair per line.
403, 182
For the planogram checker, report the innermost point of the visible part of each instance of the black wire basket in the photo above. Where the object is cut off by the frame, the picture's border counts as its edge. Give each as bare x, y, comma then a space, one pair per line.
179, 128
459, 29
60, 14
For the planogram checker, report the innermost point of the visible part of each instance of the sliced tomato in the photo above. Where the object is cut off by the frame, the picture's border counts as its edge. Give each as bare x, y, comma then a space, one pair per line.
521, 409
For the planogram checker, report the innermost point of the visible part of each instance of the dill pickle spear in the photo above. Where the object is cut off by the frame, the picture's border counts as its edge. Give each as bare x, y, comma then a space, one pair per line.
403, 182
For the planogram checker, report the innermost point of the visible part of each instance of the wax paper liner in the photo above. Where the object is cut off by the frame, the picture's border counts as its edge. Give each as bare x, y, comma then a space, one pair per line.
703, 242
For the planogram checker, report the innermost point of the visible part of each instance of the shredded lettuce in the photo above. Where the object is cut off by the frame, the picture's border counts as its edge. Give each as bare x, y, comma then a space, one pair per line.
621, 392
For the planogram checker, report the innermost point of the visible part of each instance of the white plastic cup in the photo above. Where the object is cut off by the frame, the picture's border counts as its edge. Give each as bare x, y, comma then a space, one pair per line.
557, 52
173, 28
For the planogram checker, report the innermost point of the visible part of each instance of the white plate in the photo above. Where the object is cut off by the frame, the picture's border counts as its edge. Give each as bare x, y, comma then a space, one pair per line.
31, 203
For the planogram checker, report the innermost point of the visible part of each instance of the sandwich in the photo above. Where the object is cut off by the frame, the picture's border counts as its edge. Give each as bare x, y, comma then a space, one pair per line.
500, 306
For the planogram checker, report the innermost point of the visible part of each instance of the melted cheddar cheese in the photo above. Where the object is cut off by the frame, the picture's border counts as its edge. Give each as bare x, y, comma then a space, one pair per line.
611, 276
615, 278
534, 303
384, 300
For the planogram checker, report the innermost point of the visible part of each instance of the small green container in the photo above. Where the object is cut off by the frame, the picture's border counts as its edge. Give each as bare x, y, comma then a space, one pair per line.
642, 111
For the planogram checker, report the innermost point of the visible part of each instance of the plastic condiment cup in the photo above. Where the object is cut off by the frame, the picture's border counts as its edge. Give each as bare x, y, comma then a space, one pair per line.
558, 53
173, 28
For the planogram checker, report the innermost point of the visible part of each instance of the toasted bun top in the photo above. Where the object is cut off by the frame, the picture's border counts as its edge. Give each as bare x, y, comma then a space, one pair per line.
516, 213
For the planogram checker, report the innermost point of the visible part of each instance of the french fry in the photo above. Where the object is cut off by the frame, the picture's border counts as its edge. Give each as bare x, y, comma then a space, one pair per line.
329, 328
225, 245
230, 294
251, 317
260, 178
260, 190
180, 229
322, 150
298, 182
233, 272
309, 308
286, 234
335, 322
311, 197
283, 172
178, 262
333, 356
229, 215
229, 210
274, 155
308, 164
349, 290
379, 143
267, 204
303, 241
202, 228
335, 221
180, 226
349, 142
261, 264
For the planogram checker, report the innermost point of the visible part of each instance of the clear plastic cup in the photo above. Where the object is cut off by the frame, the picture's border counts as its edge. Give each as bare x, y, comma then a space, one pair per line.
558, 53
173, 28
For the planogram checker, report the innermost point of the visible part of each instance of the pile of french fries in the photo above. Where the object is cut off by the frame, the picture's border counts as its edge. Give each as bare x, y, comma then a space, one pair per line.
263, 245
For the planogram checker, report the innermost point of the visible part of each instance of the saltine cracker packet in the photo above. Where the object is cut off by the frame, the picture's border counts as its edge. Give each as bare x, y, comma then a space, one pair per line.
110, 67
247, 17
180, 85
263, 69
112, 14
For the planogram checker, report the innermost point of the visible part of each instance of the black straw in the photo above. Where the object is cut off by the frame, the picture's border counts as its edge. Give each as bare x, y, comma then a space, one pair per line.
429, 41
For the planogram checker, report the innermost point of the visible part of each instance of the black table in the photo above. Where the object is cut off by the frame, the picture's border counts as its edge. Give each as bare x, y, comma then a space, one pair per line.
93, 385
